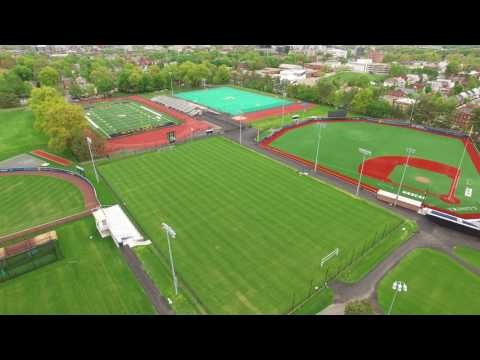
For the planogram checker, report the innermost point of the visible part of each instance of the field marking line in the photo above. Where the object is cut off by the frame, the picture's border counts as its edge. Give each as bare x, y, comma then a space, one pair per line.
96, 126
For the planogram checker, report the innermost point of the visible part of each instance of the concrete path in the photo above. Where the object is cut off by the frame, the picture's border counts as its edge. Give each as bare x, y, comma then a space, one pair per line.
158, 301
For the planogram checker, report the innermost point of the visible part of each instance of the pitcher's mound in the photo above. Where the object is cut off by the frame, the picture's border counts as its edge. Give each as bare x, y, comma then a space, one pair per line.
423, 179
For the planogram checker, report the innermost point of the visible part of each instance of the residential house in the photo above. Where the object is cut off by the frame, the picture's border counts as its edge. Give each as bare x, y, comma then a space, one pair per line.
413, 79
290, 67
337, 53
376, 56
464, 114
396, 81
443, 86
293, 75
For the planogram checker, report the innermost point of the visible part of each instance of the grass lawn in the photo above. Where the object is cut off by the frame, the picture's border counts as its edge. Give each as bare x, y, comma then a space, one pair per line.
275, 122
233, 101
339, 151
17, 134
346, 77
468, 254
317, 303
250, 231
29, 200
437, 284
92, 278
123, 116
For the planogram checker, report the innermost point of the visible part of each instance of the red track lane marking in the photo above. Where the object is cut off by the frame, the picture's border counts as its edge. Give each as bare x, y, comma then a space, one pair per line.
51, 157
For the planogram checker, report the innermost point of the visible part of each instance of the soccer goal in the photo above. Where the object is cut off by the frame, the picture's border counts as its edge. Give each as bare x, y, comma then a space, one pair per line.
329, 256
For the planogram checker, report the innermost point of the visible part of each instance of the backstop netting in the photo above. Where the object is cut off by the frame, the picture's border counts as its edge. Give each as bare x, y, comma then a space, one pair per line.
28, 255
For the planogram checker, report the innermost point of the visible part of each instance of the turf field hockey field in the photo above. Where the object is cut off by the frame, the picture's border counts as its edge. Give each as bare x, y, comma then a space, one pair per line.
432, 172
232, 101
250, 231
125, 116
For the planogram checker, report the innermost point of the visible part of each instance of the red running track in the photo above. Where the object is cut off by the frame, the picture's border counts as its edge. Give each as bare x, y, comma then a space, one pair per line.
258, 115
56, 159
156, 137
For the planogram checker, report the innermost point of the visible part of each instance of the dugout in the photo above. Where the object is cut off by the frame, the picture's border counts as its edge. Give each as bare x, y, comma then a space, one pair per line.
28, 255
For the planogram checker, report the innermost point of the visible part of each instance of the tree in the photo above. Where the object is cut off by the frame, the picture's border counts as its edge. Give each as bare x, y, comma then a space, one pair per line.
361, 100
48, 76
398, 70
103, 80
325, 90
24, 72
75, 90
457, 89
64, 122
476, 119
359, 307
222, 75
8, 100
452, 68
379, 109
79, 145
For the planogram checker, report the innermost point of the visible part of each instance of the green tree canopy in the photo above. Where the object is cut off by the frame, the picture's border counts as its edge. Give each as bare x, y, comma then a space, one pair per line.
48, 76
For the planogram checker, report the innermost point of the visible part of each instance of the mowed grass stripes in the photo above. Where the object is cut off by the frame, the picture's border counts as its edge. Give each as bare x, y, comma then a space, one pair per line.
250, 231
28, 200
91, 278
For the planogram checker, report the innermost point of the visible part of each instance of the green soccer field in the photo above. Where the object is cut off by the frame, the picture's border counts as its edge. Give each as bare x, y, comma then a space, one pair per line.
436, 284
232, 101
338, 150
91, 278
125, 116
250, 231
29, 200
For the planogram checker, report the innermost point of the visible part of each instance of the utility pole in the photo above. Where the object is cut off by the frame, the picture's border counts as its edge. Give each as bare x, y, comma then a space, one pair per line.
89, 143
171, 82
455, 180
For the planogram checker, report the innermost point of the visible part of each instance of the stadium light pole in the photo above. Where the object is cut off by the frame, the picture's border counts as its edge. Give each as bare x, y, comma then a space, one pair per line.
410, 152
411, 113
89, 143
398, 287
320, 127
455, 180
170, 232
171, 82
365, 153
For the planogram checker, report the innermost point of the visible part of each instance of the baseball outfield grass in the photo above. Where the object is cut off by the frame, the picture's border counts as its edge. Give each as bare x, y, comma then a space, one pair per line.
436, 284
251, 232
338, 150
29, 200
17, 134
91, 278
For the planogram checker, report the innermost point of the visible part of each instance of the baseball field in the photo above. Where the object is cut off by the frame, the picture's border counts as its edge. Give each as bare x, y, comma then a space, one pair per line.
442, 171
33, 200
251, 232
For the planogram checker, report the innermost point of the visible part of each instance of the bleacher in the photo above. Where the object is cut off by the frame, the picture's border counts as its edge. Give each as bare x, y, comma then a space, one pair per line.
178, 104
